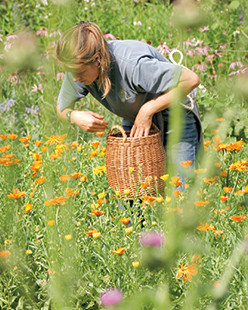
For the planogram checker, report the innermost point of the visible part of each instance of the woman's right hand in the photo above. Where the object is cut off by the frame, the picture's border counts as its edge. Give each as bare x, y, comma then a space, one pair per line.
88, 121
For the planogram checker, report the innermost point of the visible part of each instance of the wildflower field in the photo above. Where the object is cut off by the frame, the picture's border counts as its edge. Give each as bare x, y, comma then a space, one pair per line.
64, 242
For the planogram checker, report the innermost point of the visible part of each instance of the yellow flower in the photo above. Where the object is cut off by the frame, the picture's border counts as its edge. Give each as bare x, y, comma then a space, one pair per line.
168, 199
29, 252
131, 169
154, 223
127, 191
68, 237
159, 199
117, 193
94, 205
51, 223
96, 235
128, 230
135, 264
164, 177
101, 195
28, 207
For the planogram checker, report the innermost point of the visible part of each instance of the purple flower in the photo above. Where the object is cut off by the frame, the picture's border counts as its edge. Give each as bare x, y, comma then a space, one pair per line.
152, 238
111, 297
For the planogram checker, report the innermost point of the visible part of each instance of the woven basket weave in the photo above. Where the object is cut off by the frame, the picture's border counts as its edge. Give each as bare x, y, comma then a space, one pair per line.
145, 154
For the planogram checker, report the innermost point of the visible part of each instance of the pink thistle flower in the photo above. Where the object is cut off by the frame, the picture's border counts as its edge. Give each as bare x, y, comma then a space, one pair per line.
153, 239
204, 29
42, 32
111, 297
60, 76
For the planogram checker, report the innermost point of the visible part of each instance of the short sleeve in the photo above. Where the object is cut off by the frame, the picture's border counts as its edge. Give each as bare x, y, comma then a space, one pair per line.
154, 76
70, 92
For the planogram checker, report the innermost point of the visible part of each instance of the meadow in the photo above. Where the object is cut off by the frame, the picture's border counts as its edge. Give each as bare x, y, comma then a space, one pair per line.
64, 243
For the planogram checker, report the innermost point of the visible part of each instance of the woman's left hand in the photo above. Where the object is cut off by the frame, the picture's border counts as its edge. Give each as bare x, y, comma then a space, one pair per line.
142, 123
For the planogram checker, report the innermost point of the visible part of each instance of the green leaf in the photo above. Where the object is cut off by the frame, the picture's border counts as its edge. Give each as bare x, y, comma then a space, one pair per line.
234, 5
215, 25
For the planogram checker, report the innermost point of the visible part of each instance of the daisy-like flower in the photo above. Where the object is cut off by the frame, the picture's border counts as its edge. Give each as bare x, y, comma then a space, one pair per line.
237, 218
186, 272
120, 251
16, 194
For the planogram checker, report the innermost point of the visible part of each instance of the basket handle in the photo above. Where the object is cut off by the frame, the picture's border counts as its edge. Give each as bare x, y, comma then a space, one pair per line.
121, 130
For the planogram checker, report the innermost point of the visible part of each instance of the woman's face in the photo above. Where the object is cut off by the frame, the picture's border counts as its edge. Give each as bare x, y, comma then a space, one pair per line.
89, 74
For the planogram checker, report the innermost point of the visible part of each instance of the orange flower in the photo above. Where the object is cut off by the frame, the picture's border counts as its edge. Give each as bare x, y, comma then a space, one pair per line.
246, 189
64, 178
239, 165
186, 163
119, 251
239, 192
56, 200
201, 203
76, 175
56, 139
3, 137
177, 193
5, 148
186, 272
83, 178
125, 220
12, 136
200, 170
69, 192
25, 139
4, 254
223, 174
237, 218
221, 119
91, 232
38, 143
28, 207
36, 165
95, 144
97, 212
40, 180
205, 227
227, 189
218, 233
100, 133
44, 149
144, 184
175, 181
36, 156
210, 180
16, 194
223, 198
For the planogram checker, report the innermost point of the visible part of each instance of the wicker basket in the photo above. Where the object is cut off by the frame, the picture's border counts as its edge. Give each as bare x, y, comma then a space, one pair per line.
145, 154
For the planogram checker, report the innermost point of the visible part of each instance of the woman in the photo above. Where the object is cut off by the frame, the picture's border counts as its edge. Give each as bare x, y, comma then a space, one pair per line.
131, 79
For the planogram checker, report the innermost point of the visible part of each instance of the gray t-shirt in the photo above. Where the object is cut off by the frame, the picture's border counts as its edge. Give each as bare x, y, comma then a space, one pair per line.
138, 73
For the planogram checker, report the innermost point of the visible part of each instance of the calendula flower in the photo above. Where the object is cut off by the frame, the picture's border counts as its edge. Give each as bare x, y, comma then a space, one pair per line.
223, 174
239, 165
38, 143
131, 169
28, 207
201, 203
56, 200
40, 180
210, 180
203, 170
160, 199
95, 144
13, 136
83, 178
101, 195
177, 193
164, 177
205, 227
135, 264
186, 272
64, 177
167, 199
100, 133
5, 148
227, 189
100, 170
76, 175
223, 198
51, 223
96, 235
186, 163
128, 230
91, 232
111, 297
97, 212
4, 254
56, 139
126, 191
36, 165
16, 194
28, 252
175, 181
125, 220
237, 218
68, 237
120, 251
25, 139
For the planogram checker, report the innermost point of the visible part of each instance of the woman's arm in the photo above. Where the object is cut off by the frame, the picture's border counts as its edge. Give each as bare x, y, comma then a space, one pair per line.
187, 82
86, 120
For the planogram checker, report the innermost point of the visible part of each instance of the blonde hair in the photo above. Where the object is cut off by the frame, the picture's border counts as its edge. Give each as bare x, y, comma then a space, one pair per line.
82, 45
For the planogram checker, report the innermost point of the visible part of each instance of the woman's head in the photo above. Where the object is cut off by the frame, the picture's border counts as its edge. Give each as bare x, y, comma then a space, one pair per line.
83, 48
